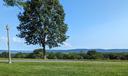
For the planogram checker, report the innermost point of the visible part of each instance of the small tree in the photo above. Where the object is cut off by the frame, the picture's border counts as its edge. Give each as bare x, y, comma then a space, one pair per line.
4, 55
42, 22
21, 55
37, 53
92, 54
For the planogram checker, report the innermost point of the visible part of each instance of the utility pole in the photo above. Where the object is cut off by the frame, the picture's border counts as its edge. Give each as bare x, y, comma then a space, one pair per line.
8, 44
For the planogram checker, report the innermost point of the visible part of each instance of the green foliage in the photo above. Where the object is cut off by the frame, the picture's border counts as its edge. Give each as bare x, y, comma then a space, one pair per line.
59, 55
37, 53
51, 55
42, 22
73, 56
21, 55
119, 56
10, 2
18, 3
4, 55
92, 54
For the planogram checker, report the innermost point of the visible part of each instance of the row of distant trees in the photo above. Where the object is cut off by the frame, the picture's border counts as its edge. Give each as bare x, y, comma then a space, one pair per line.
91, 54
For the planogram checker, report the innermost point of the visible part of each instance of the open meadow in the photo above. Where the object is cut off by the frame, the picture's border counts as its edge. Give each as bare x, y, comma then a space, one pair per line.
79, 68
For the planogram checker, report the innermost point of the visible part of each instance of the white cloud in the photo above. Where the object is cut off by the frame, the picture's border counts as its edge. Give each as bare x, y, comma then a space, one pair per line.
17, 40
12, 39
67, 45
3, 39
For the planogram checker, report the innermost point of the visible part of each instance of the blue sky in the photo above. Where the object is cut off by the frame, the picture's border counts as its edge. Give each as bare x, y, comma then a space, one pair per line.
92, 24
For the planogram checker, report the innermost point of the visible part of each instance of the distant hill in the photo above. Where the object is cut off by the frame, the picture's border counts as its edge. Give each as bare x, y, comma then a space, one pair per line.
16, 51
71, 50
85, 50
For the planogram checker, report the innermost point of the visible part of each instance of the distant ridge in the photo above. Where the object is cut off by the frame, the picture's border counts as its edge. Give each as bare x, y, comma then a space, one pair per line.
71, 50
16, 51
85, 50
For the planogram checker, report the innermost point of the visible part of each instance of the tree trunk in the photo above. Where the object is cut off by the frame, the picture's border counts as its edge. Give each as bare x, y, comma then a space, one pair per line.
44, 51
43, 45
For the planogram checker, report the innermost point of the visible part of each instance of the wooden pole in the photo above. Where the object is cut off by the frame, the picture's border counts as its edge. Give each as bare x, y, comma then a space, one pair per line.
8, 44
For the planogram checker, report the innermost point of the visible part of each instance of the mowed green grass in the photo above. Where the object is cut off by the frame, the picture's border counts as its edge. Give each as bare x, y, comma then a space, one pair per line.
83, 68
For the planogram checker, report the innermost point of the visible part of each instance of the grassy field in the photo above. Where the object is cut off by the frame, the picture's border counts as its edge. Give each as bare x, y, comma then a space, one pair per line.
87, 68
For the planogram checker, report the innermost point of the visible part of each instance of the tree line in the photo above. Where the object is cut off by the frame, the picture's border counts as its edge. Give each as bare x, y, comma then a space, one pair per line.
91, 54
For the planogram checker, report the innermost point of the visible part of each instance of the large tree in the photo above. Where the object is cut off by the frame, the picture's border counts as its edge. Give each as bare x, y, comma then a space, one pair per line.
41, 22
